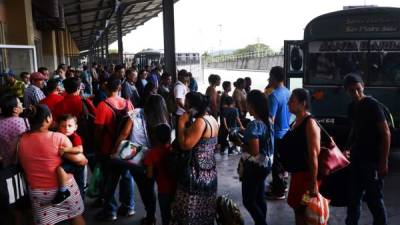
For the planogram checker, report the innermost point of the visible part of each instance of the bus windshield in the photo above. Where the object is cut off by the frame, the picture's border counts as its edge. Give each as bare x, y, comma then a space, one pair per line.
378, 61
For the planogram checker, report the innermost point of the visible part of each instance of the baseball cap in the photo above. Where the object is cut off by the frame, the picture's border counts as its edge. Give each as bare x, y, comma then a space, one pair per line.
11, 73
37, 76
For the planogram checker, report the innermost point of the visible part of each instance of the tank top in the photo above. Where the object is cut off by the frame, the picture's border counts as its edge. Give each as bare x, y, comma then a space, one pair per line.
295, 148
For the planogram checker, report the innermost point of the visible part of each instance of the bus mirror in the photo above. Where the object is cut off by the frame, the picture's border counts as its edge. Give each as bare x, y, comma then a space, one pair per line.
296, 59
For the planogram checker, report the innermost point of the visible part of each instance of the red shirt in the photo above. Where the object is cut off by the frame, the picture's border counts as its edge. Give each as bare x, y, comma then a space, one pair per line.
72, 104
156, 157
104, 117
75, 139
51, 100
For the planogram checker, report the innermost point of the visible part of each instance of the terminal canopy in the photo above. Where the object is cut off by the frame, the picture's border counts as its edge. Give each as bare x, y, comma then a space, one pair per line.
88, 20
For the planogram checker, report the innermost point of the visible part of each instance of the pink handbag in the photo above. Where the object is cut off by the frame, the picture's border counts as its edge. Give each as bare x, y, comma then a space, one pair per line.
331, 158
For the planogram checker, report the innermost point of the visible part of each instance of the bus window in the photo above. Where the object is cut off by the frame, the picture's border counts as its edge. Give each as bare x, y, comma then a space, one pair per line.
384, 68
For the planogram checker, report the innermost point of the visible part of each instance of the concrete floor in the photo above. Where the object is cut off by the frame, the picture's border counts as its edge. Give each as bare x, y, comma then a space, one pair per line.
279, 213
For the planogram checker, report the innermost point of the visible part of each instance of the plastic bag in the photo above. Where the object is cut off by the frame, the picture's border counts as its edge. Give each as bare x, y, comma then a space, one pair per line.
93, 190
317, 209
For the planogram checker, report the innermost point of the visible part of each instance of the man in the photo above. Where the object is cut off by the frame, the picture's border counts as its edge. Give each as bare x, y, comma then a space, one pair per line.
13, 85
280, 116
239, 95
129, 90
25, 77
154, 76
44, 71
180, 91
193, 87
33, 94
87, 80
119, 72
369, 152
54, 97
72, 102
165, 88
105, 126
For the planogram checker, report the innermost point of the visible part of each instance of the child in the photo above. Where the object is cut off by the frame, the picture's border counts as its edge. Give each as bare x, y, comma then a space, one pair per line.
223, 133
156, 165
231, 120
67, 124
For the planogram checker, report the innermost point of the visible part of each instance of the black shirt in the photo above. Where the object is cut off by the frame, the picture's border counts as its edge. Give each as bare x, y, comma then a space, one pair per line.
365, 116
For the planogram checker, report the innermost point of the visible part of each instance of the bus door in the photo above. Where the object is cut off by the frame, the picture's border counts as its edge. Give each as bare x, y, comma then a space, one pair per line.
294, 63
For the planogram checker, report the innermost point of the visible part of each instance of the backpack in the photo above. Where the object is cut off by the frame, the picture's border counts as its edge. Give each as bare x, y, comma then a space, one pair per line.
388, 116
120, 116
86, 127
228, 213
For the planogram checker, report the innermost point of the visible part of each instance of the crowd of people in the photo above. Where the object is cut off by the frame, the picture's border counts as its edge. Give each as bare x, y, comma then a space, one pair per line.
58, 126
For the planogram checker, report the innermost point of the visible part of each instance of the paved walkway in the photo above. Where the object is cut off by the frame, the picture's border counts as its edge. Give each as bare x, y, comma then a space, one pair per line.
279, 213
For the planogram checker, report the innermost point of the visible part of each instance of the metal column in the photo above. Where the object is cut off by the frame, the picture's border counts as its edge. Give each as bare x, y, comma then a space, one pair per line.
119, 36
102, 49
106, 46
169, 37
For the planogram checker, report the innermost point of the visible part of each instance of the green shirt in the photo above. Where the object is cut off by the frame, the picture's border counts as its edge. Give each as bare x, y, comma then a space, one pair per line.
17, 88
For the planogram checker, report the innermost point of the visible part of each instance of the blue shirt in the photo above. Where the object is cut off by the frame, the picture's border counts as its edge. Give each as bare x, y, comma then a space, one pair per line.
257, 129
278, 109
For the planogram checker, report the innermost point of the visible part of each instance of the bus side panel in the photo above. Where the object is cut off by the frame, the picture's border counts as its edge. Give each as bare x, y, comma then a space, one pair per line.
329, 105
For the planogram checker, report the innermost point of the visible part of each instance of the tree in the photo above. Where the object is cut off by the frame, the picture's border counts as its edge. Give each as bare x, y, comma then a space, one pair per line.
259, 47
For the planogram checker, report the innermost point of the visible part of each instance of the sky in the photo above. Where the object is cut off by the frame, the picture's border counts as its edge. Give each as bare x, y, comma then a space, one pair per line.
215, 25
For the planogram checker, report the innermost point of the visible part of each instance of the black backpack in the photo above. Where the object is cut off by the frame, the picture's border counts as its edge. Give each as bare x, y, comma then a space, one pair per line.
120, 117
86, 127
388, 115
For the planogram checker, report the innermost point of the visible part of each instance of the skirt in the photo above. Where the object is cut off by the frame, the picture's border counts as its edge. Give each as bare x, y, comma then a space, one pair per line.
299, 184
45, 213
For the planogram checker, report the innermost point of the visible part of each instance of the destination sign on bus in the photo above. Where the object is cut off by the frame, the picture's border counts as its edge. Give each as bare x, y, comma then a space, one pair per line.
354, 46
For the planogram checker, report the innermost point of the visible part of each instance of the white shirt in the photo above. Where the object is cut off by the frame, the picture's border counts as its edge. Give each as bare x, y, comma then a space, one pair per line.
180, 91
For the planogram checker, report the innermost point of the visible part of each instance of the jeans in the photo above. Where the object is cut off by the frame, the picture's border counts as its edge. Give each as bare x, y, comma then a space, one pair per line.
253, 195
145, 185
165, 201
126, 189
278, 183
364, 180
79, 175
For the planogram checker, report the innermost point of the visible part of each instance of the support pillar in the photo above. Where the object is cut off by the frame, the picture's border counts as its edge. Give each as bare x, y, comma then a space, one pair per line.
106, 45
102, 49
49, 50
20, 28
169, 37
119, 36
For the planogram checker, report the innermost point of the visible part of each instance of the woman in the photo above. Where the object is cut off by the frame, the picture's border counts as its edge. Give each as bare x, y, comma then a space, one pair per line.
139, 130
11, 126
257, 156
195, 199
214, 81
303, 138
40, 161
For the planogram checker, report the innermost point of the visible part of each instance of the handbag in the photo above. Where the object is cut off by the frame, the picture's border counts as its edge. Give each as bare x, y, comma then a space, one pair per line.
331, 158
13, 188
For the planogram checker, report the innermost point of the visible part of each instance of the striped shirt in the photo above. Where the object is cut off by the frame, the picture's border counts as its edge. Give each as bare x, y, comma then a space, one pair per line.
33, 95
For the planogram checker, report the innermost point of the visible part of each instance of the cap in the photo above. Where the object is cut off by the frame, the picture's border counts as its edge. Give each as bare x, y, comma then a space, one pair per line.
11, 72
352, 78
37, 76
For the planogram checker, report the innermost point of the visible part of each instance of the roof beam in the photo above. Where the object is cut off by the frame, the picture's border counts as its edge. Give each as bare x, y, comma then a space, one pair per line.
127, 14
95, 9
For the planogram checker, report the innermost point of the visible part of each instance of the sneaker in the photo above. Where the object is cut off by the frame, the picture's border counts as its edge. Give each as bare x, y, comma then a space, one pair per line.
273, 196
61, 196
103, 216
124, 211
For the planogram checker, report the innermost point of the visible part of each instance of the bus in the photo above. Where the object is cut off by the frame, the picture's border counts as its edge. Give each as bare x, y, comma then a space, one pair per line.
152, 57
361, 40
